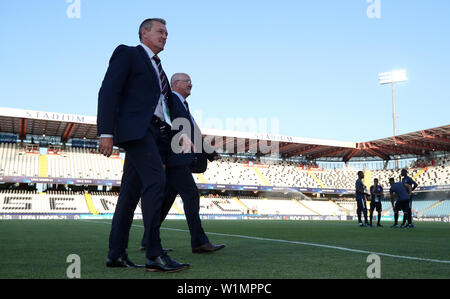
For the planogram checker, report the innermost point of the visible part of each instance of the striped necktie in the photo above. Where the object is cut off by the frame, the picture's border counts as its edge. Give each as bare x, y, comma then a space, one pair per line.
164, 85
162, 76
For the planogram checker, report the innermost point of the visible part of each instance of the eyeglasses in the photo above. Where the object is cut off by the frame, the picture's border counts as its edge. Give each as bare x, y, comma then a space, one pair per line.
187, 81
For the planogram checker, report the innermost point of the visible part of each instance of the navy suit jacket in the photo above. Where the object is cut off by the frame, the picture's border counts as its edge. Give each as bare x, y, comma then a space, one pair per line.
128, 96
178, 159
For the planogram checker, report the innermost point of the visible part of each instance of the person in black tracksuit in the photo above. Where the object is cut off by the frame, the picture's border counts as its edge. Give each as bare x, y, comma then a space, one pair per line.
361, 194
408, 180
376, 194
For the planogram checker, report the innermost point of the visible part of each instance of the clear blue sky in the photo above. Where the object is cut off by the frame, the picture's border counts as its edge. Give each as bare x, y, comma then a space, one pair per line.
312, 65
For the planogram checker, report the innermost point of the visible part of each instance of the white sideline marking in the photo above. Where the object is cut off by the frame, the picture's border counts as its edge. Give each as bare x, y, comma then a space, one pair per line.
301, 243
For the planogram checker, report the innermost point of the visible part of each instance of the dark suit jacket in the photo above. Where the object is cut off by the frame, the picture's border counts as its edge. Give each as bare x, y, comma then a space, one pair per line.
128, 96
177, 159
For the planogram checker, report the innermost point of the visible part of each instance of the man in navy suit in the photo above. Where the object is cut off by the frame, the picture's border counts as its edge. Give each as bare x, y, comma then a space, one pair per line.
181, 155
134, 113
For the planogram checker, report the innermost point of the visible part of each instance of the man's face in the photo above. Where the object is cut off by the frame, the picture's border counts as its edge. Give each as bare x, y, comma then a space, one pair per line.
156, 37
375, 182
183, 85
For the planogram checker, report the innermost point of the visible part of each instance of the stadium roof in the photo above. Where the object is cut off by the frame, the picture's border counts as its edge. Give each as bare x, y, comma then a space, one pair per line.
68, 126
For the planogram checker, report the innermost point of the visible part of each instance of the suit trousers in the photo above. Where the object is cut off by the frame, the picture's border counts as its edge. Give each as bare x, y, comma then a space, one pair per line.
180, 181
143, 178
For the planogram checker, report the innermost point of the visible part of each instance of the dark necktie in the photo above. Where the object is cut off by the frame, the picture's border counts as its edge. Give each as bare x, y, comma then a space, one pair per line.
187, 107
164, 82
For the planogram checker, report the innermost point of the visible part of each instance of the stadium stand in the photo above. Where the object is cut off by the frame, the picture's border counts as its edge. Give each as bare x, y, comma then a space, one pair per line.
217, 205
53, 202
16, 160
39, 148
439, 209
324, 207
68, 202
288, 174
229, 172
83, 163
268, 206
105, 202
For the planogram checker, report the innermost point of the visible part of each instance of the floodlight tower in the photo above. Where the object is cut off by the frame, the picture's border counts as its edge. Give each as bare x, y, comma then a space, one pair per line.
391, 78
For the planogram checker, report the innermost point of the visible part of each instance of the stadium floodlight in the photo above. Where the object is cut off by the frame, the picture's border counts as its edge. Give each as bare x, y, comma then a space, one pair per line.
391, 78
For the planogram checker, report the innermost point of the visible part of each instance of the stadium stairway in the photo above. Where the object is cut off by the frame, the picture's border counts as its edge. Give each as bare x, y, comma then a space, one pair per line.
241, 203
43, 170
368, 179
201, 178
90, 204
261, 176
425, 169
339, 207
306, 207
420, 213
321, 184
368, 182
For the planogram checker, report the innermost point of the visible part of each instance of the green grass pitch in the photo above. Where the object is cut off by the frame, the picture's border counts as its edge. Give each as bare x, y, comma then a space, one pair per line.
255, 249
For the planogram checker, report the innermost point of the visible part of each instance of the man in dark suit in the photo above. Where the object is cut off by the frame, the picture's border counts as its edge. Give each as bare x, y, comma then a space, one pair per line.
180, 157
133, 113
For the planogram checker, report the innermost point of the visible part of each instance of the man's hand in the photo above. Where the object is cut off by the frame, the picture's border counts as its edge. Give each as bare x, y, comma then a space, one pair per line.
186, 144
105, 146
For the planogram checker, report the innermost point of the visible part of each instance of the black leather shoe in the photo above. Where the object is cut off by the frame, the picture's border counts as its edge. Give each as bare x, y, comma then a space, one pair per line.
207, 247
164, 263
122, 262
